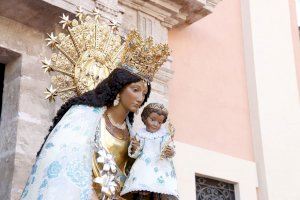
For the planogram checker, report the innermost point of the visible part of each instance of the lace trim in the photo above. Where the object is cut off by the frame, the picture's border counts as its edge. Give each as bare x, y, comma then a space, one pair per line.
136, 153
143, 133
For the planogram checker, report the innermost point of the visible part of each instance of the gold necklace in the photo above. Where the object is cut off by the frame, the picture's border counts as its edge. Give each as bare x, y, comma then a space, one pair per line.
115, 124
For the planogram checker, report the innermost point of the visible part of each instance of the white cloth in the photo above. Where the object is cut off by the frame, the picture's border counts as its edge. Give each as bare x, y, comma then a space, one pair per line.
149, 172
63, 171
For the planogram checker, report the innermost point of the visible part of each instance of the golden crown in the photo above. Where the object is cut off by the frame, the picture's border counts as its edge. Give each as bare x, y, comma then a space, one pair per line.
91, 49
158, 106
143, 57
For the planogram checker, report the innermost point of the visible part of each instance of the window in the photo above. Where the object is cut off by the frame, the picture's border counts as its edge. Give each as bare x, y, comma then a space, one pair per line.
210, 189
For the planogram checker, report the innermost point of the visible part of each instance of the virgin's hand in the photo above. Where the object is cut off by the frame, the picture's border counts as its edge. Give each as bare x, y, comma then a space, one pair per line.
168, 152
135, 144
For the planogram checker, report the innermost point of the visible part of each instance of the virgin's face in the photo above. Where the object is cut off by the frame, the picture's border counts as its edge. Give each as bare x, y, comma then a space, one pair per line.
133, 95
153, 122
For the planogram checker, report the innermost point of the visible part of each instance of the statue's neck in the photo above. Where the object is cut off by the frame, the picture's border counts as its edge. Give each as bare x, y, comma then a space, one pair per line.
118, 113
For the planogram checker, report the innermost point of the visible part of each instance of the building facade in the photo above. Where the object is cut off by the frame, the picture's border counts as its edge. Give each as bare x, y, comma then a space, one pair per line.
231, 85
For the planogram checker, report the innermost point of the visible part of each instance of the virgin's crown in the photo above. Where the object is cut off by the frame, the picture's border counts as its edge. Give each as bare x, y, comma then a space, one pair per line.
91, 49
143, 57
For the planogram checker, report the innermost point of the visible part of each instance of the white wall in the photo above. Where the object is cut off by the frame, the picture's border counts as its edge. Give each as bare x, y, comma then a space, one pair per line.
273, 96
191, 160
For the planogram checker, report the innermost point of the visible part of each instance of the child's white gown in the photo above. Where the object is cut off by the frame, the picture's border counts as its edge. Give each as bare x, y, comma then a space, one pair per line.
149, 172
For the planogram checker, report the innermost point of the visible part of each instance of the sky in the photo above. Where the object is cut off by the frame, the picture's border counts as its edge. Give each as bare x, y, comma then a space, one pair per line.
298, 11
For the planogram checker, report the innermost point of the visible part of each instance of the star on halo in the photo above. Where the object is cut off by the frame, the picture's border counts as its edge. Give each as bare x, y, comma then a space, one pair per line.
79, 13
51, 93
65, 21
52, 40
97, 13
47, 67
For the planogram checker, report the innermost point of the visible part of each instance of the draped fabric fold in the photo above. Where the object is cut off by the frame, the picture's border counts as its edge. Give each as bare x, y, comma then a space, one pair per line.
63, 170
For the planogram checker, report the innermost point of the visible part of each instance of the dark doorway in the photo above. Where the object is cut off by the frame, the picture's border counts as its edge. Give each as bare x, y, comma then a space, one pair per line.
2, 70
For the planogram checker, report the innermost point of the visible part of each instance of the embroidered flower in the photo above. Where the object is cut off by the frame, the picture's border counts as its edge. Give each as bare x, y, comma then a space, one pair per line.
44, 184
108, 184
107, 160
66, 125
56, 128
85, 194
49, 145
173, 174
147, 161
54, 169
160, 180
79, 172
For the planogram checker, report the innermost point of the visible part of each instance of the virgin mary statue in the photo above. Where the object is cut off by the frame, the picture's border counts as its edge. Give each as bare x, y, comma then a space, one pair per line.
103, 79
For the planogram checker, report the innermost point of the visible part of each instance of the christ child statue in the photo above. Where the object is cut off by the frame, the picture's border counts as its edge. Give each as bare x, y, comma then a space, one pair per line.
152, 175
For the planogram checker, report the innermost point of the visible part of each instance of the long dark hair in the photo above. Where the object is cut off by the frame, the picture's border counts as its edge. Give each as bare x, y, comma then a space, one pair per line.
103, 95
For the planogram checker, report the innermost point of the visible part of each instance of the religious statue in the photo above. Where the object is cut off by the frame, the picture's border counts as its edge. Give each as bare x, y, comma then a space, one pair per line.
152, 175
103, 79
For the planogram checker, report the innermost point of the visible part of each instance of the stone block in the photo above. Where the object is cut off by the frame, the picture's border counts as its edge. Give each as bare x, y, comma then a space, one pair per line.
22, 169
21, 38
29, 140
6, 169
30, 137
129, 20
8, 135
10, 101
31, 67
32, 100
13, 69
37, 14
7, 55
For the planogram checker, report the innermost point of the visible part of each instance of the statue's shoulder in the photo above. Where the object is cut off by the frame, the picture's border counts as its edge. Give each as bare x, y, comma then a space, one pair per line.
85, 111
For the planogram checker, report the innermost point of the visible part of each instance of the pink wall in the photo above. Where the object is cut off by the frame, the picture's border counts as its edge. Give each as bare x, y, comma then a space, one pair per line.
295, 35
208, 94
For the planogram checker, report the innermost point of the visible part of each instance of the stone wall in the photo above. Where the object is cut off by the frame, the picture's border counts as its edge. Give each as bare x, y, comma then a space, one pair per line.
25, 115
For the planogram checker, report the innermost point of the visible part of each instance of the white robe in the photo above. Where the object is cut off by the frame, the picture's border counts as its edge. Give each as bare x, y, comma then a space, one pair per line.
63, 171
149, 172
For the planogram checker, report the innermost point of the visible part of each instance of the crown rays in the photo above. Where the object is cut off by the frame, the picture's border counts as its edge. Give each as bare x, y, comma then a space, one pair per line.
85, 54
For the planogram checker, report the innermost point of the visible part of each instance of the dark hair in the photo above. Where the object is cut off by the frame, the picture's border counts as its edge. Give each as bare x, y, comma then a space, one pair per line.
156, 108
103, 95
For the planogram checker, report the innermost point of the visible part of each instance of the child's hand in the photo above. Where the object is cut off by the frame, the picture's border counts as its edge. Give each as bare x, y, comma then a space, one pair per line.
135, 144
168, 152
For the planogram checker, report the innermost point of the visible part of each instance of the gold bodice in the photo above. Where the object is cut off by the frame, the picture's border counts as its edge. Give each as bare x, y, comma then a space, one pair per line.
116, 147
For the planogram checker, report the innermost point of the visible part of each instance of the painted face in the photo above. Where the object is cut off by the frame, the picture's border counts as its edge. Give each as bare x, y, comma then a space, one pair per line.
154, 122
133, 95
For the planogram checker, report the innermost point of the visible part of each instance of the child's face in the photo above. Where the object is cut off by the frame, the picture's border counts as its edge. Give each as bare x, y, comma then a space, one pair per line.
154, 122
